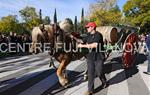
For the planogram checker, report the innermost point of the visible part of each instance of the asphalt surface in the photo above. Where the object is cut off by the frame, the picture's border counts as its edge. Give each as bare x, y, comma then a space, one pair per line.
31, 75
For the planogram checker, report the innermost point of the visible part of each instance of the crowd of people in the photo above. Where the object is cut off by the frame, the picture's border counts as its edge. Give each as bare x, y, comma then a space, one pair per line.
12, 37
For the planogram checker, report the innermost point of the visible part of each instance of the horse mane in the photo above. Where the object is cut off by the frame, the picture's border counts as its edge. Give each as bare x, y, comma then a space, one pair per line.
66, 26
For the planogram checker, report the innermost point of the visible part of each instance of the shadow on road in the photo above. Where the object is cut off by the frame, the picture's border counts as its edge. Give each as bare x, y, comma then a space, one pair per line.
75, 78
27, 83
116, 64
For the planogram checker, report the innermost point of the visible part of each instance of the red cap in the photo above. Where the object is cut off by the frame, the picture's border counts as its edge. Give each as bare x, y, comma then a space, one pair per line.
91, 24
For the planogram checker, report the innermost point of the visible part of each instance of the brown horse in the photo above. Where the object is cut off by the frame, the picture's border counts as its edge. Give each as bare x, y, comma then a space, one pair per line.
65, 58
41, 34
54, 35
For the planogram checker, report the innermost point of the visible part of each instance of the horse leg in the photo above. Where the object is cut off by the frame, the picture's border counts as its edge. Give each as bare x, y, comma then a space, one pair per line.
65, 73
32, 49
51, 63
62, 80
85, 76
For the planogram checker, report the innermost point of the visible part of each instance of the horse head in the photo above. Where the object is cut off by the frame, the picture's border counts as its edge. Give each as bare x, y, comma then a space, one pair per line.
58, 34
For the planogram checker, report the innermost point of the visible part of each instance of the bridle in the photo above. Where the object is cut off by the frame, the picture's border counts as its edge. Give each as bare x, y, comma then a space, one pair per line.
56, 38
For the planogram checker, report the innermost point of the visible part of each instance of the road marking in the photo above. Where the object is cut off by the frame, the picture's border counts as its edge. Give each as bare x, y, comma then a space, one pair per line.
18, 70
116, 87
17, 63
48, 82
24, 77
77, 90
12, 60
146, 78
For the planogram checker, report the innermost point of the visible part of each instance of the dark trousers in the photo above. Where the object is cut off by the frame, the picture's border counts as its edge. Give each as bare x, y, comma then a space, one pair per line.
95, 66
148, 69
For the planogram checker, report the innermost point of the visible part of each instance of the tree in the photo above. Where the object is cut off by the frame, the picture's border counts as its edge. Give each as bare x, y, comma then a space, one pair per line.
105, 12
28, 13
30, 17
138, 13
75, 24
55, 16
82, 21
81, 26
82, 15
9, 23
40, 15
47, 20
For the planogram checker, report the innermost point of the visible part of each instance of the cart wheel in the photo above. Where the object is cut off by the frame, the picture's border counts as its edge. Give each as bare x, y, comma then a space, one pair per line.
128, 57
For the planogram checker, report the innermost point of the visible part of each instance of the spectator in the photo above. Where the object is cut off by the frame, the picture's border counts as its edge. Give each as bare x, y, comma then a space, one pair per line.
148, 46
143, 38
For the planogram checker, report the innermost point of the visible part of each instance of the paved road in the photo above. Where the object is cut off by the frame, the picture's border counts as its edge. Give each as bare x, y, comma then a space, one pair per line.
31, 75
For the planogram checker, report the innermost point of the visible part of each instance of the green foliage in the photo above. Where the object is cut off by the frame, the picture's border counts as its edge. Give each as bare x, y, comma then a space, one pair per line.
137, 12
32, 23
28, 13
105, 12
30, 17
47, 20
8, 23
81, 26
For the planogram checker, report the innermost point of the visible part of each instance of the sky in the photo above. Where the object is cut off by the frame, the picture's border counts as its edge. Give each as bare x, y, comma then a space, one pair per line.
65, 8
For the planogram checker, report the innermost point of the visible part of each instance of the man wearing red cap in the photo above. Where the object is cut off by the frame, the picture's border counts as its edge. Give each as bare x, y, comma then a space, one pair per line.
94, 42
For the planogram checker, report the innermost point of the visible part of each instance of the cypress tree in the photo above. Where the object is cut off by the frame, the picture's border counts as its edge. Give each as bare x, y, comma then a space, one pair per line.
82, 21
40, 15
55, 16
75, 24
47, 20
82, 15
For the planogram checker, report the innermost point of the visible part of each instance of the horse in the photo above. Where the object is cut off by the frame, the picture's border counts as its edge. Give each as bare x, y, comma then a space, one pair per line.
41, 34
59, 34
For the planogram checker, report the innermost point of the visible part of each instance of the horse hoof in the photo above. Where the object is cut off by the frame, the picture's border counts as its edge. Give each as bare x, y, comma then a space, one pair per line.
64, 82
50, 64
85, 77
66, 86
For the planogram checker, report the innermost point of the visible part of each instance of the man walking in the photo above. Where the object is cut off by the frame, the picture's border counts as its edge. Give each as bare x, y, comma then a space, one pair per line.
148, 46
95, 58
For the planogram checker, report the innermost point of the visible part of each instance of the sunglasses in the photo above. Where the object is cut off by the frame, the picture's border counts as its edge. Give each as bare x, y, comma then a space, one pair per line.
87, 27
